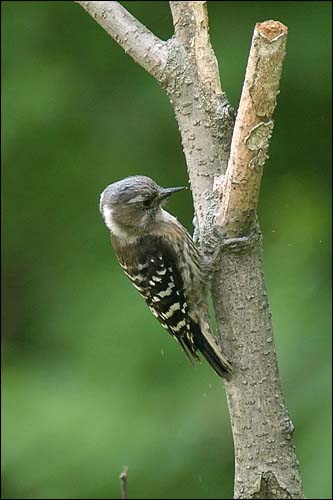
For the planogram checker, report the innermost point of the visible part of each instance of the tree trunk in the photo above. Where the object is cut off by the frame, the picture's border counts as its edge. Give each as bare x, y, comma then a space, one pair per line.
225, 165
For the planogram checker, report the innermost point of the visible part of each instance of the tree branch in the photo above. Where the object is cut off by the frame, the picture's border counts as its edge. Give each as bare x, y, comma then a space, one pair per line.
239, 190
190, 21
203, 113
141, 44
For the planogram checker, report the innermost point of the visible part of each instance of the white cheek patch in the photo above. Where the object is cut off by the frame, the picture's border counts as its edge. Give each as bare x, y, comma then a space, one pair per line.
123, 237
107, 214
100, 202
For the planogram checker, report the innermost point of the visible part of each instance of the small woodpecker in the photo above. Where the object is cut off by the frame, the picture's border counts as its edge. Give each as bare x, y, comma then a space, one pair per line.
160, 258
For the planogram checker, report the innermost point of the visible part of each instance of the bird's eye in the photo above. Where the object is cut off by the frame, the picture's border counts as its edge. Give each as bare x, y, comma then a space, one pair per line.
147, 203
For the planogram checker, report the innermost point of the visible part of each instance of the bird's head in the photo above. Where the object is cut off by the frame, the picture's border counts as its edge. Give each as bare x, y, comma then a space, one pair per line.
132, 205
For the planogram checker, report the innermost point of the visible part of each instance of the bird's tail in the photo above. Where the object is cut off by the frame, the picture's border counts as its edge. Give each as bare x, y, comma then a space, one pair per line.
205, 343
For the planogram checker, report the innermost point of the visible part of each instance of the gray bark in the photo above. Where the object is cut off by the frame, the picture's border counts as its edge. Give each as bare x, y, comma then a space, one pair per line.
225, 164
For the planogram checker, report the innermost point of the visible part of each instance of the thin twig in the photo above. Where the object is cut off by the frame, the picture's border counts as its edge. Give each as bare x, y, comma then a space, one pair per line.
123, 482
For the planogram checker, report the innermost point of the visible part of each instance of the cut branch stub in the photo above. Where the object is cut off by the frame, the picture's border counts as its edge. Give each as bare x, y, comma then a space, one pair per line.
239, 190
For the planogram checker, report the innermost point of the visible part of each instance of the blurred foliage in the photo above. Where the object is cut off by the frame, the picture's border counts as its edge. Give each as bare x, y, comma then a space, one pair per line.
91, 381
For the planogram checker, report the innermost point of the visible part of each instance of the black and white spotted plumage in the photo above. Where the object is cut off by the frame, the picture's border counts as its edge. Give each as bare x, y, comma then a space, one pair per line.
159, 257
154, 272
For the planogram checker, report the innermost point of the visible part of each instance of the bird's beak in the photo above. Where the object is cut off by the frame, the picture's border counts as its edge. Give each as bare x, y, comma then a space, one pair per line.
165, 192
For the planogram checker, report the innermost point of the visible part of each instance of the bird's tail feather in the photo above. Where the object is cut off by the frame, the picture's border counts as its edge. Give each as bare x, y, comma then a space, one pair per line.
218, 362
207, 346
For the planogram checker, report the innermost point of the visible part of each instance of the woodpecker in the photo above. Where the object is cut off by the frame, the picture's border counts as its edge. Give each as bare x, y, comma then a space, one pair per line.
160, 258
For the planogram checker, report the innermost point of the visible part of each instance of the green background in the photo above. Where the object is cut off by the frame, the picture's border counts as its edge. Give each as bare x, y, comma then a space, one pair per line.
91, 381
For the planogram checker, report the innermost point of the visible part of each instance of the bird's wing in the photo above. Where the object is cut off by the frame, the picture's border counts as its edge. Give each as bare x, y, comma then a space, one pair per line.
154, 272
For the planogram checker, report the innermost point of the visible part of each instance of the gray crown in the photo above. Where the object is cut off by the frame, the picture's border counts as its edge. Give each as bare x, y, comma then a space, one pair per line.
129, 188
